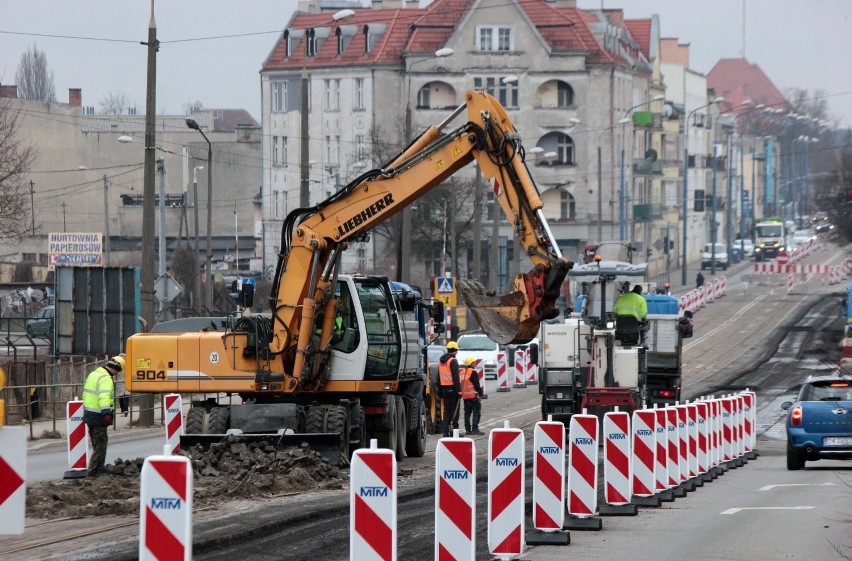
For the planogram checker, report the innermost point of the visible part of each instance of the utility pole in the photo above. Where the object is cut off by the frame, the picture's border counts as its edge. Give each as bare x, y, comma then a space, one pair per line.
32, 203
494, 266
64, 228
477, 226
162, 298
146, 414
106, 220
305, 187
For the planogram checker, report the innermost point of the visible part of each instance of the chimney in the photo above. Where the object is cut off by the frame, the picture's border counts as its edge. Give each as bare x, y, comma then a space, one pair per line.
9, 91
75, 97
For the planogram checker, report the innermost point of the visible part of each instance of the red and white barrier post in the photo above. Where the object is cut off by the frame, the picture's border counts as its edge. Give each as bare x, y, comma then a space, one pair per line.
682, 442
692, 444
479, 368
506, 492
455, 498
502, 373
583, 472
174, 420
750, 426
661, 467
520, 369
13, 479
673, 463
78, 440
548, 484
702, 455
618, 479
644, 457
372, 504
165, 508
727, 430
532, 368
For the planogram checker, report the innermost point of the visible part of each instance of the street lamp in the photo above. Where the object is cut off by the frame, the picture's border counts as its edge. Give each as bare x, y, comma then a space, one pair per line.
404, 249
622, 121
686, 182
209, 267
575, 121
197, 301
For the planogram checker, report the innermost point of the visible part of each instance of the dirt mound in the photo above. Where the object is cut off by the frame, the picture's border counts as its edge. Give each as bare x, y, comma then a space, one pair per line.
228, 471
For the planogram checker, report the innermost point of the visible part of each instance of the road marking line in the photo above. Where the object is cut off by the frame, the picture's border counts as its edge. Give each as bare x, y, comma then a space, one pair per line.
768, 487
736, 510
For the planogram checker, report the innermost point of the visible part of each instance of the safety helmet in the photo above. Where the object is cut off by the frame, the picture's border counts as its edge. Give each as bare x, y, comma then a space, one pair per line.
469, 360
452, 346
116, 363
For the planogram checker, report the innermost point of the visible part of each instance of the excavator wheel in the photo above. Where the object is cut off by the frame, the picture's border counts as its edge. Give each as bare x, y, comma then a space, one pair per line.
358, 435
337, 421
388, 439
195, 420
219, 421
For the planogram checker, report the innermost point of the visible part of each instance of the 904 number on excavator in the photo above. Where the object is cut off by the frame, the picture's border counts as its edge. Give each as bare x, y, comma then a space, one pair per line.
150, 375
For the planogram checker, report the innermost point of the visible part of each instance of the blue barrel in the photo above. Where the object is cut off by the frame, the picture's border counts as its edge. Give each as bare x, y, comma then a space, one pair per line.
661, 304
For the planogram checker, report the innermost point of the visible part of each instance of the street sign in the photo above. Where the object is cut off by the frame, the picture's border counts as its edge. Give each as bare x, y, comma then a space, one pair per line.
167, 288
445, 290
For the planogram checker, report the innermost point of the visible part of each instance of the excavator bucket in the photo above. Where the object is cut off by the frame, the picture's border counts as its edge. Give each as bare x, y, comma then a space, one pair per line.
505, 319
326, 445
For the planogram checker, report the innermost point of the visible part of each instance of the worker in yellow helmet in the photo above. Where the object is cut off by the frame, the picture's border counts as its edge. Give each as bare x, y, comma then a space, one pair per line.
448, 368
471, 394
99, 408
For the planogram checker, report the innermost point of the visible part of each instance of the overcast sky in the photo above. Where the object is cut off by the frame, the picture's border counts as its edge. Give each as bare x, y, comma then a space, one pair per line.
798, 43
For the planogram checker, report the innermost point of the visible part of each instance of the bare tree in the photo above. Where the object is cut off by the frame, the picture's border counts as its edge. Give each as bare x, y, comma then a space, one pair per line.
16, 156
34, 79
115, 103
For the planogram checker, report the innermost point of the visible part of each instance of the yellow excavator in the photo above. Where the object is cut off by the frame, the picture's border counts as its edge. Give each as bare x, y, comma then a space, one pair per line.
340, 357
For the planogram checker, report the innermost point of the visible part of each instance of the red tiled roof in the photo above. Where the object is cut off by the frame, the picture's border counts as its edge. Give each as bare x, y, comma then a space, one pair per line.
416, 30
640, 30
737, 80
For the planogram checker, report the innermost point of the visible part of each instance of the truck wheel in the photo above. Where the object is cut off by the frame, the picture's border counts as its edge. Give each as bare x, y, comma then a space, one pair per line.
795, 461
336, 422
387, 439
401, 429
195, 420
358, 435
416, 445
220, 418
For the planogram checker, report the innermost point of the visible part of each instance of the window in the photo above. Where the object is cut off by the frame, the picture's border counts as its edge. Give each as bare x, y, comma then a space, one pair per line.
359, 93
340, 44
276, 202
332, 94
564, 149
284, 151
279, 96
362, 259
328, 148
276, 150
494, 38
567, 208
564, 94
506, 94
360, 149
423, 97
337, 149
311, 43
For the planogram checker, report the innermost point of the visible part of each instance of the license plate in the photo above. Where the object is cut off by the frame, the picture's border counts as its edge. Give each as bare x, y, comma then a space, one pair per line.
837, 441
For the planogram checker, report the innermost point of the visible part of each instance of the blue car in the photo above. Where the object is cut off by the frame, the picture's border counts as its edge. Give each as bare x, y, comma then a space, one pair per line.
819, 422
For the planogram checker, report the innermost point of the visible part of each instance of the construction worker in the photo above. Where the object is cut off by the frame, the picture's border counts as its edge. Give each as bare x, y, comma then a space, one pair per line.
471, 395
448, 370
631, 304
99, 407
699, 280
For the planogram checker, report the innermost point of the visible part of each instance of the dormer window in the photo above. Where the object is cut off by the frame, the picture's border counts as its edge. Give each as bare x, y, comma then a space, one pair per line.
339, 35
288, 44
311, 42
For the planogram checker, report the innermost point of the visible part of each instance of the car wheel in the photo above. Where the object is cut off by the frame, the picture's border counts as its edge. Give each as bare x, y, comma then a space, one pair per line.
795, 461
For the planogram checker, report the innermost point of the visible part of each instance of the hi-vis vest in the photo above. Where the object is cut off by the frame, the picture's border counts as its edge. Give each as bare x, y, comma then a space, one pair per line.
446, 373
98, 391
468, 391
631, 304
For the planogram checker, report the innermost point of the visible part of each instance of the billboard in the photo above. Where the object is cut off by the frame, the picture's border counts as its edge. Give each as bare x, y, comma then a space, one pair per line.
75, 248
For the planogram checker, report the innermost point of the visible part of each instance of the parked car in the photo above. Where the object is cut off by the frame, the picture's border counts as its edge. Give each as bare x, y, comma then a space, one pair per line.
721, 255
42, 323
478, 345
746, 245
819, 422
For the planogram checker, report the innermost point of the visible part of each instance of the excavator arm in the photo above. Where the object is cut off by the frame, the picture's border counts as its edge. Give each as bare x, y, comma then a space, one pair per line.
313, 238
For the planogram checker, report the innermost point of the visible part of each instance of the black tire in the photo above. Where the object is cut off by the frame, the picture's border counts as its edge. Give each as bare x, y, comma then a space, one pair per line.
416, 444
387, 438
795, 461
337, 422
220, 420
315, 419
401, 430
358, 435
195, 420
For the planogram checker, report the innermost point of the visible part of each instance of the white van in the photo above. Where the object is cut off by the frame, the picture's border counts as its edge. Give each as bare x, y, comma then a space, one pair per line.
721, 256
478, 345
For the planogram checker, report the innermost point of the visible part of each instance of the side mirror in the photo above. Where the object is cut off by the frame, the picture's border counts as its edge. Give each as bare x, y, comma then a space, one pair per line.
438, 311
786, 405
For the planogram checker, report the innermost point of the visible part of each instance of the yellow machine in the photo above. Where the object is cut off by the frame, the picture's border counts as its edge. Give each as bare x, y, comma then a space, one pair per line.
342, 355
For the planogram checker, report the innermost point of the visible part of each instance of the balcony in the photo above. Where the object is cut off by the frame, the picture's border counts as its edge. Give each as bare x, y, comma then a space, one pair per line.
647, 119
647, 211
646, 166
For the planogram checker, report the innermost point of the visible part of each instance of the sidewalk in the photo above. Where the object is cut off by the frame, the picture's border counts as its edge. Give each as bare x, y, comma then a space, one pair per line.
121, 431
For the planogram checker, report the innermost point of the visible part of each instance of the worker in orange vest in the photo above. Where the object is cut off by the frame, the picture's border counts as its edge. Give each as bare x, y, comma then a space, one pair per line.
448, 370
471, 395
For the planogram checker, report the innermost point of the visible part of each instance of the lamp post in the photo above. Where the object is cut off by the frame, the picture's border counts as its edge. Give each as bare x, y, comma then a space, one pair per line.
209, 266
622, 203
403, 268
757, 107
197, 301
684, 256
